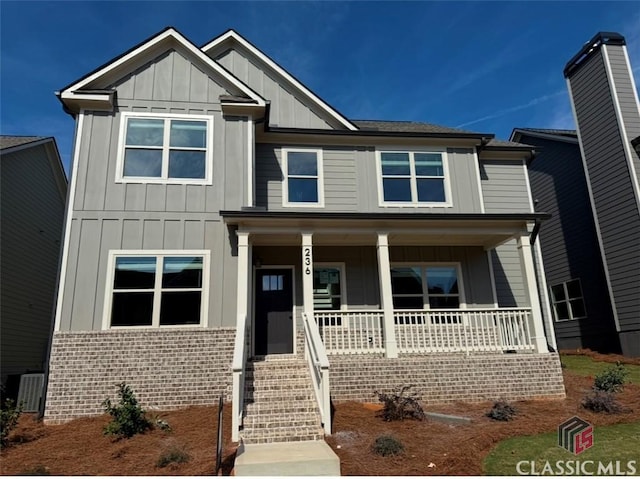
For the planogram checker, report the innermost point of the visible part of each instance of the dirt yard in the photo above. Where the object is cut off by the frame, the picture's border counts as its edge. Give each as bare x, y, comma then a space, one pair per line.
431, 448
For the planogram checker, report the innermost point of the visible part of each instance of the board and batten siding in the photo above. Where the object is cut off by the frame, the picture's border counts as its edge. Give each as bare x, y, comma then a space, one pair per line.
32, 210
92, 238
351, 180
614, 198
286, 110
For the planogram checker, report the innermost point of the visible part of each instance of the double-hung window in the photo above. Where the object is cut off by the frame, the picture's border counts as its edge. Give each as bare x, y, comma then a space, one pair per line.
303, 178
568, 301
413, 178
425, 287
165, 148
152, 290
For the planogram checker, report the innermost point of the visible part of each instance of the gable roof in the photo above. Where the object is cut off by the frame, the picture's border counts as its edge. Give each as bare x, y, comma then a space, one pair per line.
567, 136
8, 141
226, 40
81, 88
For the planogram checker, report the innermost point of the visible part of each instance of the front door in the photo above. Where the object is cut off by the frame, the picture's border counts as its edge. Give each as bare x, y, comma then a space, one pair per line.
273, 330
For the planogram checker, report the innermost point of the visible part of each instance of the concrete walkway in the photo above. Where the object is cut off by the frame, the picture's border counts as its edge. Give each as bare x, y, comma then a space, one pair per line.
300, 458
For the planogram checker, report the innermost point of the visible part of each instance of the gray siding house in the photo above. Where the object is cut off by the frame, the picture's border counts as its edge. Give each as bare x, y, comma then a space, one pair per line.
230, 233
33, 189
588, 180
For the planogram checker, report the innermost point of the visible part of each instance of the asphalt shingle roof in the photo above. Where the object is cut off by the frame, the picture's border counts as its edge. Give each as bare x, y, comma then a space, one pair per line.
571, 133
7, 141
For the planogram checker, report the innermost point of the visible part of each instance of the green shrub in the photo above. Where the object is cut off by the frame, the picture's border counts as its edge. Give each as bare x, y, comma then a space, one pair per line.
400, 404
611, 379
128, 418
9, 416
387, 446
601, 401
175, 455
502, 411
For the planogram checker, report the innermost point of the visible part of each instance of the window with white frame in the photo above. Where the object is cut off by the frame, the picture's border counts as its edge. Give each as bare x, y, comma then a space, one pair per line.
413, 178
425, 287
303, 184
152, 290
568, 301
165, 148
328, 287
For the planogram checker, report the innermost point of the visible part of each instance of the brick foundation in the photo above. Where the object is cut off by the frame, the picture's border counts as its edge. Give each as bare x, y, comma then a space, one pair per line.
167, 369
440, 378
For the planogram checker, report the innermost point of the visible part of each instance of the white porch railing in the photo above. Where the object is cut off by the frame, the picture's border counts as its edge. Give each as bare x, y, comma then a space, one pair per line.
238, 365
469, 330
351, 332
319, 368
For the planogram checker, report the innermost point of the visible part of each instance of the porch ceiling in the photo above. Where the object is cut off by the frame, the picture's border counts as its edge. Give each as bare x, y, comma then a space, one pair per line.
488, 231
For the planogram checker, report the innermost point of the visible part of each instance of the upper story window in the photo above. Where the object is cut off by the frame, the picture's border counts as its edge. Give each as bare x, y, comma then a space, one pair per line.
153, 290
165, 149
568, 301
413, 178
303, 178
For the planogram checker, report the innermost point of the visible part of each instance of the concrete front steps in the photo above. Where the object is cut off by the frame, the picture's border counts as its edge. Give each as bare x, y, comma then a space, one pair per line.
282, 434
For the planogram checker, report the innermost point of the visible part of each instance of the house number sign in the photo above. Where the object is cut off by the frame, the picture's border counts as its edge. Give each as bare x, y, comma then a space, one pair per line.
307, 259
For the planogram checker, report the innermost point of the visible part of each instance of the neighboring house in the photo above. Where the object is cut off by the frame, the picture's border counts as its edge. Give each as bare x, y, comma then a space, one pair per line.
224, 219
33, 192
588, 180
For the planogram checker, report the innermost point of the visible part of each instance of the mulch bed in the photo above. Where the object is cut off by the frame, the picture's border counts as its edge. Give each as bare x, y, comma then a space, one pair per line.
80, 448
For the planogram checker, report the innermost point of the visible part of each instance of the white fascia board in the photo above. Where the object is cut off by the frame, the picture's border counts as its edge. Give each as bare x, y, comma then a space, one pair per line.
231, 34
167, 34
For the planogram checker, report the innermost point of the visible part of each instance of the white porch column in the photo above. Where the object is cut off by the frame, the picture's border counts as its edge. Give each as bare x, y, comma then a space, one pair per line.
244, 251
386, 297
307, 273
531, 290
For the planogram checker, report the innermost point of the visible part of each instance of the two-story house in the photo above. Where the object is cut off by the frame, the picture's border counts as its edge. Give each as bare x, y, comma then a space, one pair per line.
230, 233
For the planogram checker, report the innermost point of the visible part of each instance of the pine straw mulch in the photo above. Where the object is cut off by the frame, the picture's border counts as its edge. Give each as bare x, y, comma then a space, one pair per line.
596, 356
79, 447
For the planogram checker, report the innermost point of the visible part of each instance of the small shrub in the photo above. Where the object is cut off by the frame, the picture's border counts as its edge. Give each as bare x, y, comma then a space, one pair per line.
9, 415
128, 418
400, 404
38, 470
601, 401
387, 446
502, 411
612, 379
175, 455
162, 424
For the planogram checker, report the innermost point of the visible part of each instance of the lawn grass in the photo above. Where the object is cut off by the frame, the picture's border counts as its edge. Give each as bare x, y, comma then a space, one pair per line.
585, 366
611, 443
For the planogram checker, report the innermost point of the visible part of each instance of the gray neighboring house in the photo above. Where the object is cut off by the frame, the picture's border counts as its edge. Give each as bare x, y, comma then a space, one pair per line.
588, 180
33, 189
230, 233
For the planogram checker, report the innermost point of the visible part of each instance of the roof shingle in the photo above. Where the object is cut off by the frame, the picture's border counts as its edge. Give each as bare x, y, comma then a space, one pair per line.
8, 141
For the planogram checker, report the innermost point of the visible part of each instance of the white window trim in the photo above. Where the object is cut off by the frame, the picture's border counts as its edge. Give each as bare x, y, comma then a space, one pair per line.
414, 195
423, 268
285, 181
208, 170
108, 296
343, 282
567, 301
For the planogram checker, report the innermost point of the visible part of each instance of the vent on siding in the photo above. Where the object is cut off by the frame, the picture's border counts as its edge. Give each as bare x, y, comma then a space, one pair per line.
30, 391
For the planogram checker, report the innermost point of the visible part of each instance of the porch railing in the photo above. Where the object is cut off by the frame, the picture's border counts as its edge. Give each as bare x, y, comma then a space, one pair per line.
351, 332
319, 368
238, 366
469, 330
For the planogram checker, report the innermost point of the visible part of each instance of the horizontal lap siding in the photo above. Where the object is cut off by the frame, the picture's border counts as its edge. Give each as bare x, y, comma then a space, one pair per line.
507, 272
615, 199
504, 186
286, 110
91, 239
568, 241
32, 211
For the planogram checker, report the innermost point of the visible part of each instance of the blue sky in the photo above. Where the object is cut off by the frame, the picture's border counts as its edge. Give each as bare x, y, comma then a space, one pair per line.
482, 66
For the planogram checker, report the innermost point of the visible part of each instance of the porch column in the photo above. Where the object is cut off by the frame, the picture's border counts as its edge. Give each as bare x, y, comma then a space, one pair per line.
386, 297
307, 273
244, 251
531, 291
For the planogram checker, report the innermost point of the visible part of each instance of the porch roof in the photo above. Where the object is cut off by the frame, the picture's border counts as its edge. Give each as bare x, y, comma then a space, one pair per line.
338, 229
